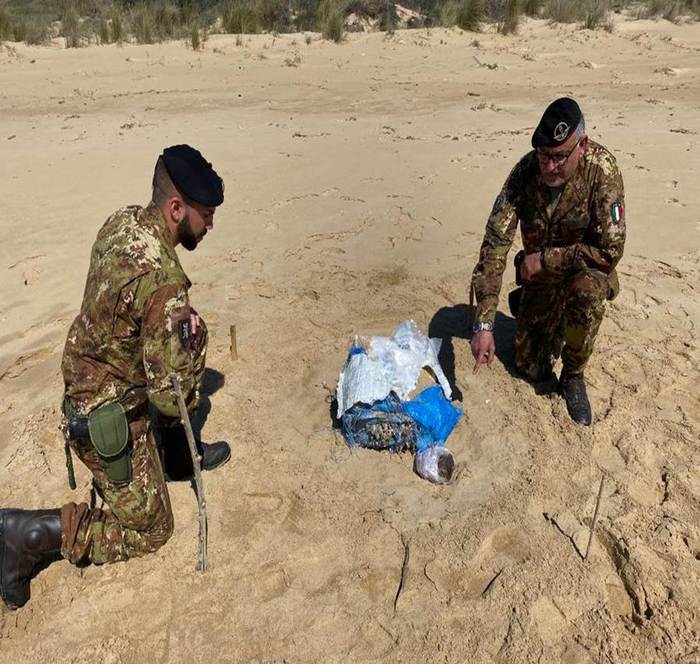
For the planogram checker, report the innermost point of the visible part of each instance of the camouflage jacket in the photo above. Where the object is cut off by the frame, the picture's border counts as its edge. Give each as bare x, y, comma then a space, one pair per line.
586, 228
132, 331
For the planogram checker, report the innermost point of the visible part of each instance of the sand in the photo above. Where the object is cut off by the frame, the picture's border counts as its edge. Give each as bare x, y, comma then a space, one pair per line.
358, 181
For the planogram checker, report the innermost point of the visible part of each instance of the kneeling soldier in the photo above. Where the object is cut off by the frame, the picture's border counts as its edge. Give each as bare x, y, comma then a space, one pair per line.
135, 330
567, 194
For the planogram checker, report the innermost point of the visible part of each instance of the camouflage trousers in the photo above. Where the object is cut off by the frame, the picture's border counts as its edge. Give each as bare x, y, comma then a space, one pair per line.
559, 319
136, 517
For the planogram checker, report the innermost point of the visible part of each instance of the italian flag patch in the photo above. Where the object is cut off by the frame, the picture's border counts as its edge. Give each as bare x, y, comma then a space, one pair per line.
617, 213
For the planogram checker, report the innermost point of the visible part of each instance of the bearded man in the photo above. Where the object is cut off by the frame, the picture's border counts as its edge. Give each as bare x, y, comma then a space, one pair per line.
136, 330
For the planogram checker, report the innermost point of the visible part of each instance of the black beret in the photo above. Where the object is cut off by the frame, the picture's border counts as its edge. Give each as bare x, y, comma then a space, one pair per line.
193, 175
558, 123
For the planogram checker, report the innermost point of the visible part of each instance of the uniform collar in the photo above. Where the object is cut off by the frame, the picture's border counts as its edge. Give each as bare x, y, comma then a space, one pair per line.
574, 191
153, 216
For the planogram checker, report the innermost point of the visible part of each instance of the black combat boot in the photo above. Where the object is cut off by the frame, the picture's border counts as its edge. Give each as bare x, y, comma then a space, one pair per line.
30, 540
573, 389
177, 460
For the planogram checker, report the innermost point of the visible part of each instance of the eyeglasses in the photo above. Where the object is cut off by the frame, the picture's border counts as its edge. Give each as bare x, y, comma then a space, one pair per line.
558, 158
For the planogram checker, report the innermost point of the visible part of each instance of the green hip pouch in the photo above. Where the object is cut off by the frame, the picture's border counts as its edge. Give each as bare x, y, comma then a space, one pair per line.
109, 433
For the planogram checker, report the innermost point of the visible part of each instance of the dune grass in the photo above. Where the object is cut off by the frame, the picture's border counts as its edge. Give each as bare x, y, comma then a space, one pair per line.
7, 25
331, 19
564, 11
511, 17
533, 8
671, 10
71, 27
272, 15
597, 15
470, 14
196, 37
239, 18
150, 21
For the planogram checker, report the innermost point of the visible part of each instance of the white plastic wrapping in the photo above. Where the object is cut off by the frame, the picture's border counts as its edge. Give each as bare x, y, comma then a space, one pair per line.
389, 364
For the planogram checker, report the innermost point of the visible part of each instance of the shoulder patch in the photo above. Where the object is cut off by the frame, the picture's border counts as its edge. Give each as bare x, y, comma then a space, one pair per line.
617, 213
184, 333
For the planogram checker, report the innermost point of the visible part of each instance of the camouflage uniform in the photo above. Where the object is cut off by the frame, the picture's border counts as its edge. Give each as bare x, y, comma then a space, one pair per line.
132, 333
580, 231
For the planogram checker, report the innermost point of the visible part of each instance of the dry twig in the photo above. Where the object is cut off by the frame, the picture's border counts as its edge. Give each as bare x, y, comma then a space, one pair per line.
595, 516
197, 472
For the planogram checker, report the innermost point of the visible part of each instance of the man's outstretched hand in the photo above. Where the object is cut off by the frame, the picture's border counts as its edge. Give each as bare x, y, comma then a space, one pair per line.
483, 348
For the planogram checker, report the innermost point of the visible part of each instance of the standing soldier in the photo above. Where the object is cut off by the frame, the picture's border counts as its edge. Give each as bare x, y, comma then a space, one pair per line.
567, 195
135, 330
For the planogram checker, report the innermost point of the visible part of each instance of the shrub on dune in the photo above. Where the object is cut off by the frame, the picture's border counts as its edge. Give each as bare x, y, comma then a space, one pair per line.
470, 14
71, 27
167, 20
31, 33
564, 11
116, 26
331, 19
272, 15
7, 25
448, 13
511, 18
598, 15
533, 8
195, 37
239, 18
305, 14
105, 33
143, 26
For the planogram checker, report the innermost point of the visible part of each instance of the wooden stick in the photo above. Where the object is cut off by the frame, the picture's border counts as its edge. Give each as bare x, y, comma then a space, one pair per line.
197, 471
595, 516
404, 570
233, 349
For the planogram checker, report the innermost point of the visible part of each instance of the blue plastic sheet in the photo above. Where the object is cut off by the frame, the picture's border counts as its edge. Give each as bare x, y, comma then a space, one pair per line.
435, 416
396, 425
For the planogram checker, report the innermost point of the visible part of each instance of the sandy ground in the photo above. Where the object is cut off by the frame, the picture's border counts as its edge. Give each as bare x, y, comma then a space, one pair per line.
358, 180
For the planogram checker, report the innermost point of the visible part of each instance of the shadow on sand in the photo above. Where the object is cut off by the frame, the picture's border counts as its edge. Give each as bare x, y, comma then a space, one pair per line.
457, 321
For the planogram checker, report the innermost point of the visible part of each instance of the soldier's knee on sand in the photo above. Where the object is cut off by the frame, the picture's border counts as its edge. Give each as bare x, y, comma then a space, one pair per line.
144, 540
144, 513
158, 535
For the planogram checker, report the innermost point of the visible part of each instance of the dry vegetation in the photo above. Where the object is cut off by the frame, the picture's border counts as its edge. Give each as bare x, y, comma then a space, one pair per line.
82, 22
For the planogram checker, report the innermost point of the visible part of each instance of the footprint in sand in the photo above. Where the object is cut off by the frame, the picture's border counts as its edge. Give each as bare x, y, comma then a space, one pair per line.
549, 620
25, 362
269, 582
666, 71
674, 201
501, 548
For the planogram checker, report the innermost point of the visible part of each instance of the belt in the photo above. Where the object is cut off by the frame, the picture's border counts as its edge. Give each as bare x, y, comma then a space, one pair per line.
77, 426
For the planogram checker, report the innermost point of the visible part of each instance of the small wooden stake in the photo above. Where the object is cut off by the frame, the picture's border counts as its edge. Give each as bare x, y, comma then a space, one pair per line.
233, 349
595, 516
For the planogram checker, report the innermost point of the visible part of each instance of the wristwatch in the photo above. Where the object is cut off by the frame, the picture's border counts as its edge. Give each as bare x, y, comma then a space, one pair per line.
482, 327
